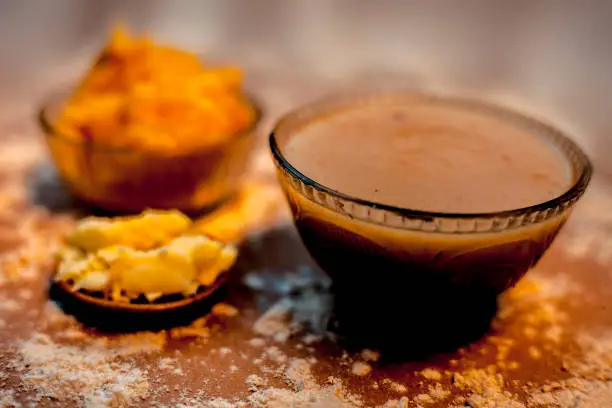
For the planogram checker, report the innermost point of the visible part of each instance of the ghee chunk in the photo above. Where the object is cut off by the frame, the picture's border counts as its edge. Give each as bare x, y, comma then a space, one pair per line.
150, 255
147, 96
145, 231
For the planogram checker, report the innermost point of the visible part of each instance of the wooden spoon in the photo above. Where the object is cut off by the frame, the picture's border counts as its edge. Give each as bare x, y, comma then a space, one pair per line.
114, 316
201, 295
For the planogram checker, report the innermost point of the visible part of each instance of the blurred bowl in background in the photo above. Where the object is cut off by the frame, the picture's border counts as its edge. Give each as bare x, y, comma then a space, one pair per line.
130, 180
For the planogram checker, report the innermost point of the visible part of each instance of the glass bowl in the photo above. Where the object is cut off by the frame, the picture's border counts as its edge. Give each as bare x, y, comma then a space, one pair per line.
399, 257
131, 180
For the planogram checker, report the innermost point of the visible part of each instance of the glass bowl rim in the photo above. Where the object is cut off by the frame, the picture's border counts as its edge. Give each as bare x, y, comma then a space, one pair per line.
353, 99
58, 96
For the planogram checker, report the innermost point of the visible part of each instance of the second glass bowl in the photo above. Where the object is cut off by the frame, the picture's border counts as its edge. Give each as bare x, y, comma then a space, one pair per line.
409, 261
131, 180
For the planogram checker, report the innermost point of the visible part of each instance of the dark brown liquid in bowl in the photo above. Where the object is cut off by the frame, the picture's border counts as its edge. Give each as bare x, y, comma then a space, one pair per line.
428, 158
444, 286
487, 263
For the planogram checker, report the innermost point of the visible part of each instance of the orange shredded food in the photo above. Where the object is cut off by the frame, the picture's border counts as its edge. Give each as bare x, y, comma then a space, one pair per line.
143, 95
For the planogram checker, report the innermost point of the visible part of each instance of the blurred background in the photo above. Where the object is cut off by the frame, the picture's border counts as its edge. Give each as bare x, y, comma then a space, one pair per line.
552, 59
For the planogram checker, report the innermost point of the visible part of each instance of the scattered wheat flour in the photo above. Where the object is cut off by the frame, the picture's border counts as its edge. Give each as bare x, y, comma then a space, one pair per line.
139, 343
299, 377
487, 388
424, 399
8, 400
431, 374
304, 392
370, 355
394, 403
275, 354
395, 386
257, 342
601, 398
361, 369
255, 382
9, 305
276, 321
310, 339
94, 376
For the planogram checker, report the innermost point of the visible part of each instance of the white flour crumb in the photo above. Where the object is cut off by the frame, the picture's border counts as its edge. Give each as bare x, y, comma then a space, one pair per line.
255, 382
275, 354
257, 342
431, 374
72, 334
25, 294
216, 403
305, 393
395, 386
299, 376
312, 338
424, 399
394, 403
166, 363
370, 355
276, 321
9, 305
138, 343
361, 369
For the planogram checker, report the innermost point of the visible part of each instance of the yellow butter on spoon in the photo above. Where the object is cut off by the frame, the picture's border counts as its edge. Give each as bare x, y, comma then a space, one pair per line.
146, 231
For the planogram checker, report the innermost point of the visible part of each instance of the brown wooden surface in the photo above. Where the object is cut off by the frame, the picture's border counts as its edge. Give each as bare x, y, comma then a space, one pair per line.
551, 328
